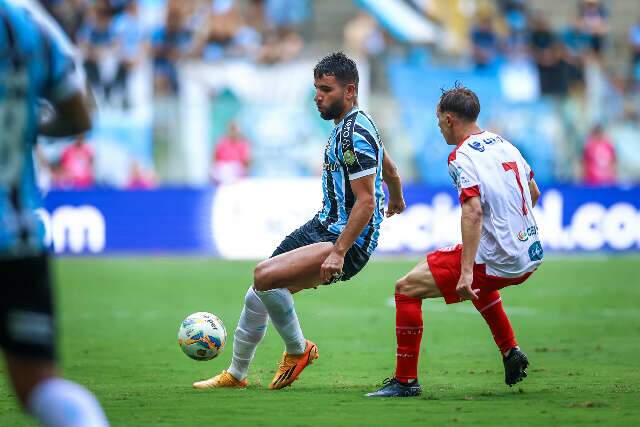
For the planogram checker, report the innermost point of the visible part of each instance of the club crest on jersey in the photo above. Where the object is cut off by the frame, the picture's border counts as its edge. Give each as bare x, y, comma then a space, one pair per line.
349, 157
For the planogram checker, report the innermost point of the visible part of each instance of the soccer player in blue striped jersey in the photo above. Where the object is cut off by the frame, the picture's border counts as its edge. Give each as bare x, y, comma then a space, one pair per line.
35, 65
335, 245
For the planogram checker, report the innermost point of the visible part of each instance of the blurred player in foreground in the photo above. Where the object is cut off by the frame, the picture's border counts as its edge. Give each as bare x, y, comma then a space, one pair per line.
500, 245
335, 245
34, 65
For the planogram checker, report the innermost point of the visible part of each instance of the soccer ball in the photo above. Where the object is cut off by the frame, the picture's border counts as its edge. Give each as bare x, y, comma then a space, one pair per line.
202, 336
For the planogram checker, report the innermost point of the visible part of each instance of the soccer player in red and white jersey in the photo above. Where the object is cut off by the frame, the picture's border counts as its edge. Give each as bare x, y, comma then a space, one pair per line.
500, 245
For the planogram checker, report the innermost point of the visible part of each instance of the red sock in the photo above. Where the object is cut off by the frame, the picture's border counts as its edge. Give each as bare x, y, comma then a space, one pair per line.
490, 306
408, 335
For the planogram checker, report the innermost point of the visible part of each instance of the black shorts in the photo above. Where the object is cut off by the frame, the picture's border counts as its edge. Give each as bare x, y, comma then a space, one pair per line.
314, 232
27, 324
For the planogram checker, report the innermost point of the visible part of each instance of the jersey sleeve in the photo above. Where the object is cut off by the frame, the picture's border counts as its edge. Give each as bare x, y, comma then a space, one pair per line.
64, 79
359, 150
464, 176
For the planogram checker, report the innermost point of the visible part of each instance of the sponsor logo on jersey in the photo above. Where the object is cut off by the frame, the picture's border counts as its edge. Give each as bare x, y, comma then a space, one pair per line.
476, 145
535, 252
454, 172
346, 128
480, 145
331, 167
524, 235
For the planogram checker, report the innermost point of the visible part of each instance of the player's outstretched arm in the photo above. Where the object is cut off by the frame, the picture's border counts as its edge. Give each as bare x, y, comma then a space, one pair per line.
391, 177
471, 230
363, 208
535, 192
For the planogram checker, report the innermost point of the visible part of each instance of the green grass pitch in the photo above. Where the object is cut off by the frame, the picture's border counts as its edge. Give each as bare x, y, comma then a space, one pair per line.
578, 319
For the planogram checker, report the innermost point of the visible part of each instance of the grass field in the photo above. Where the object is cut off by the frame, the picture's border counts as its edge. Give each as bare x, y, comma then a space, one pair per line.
578, 320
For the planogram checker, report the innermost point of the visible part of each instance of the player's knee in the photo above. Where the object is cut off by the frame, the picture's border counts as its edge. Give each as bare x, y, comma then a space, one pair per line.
261, 277
402, 285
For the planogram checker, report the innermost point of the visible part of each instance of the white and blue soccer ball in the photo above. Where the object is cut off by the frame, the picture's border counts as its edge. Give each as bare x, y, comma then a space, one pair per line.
202, 336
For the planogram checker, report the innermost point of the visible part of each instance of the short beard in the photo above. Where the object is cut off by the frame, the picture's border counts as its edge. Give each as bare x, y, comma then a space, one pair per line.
334, 111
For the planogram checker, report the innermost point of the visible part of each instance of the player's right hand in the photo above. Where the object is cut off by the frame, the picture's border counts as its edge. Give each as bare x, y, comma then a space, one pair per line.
464, 288
331, 269
397, 205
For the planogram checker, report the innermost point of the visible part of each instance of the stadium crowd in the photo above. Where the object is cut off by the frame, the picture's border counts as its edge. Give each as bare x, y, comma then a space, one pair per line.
596, 143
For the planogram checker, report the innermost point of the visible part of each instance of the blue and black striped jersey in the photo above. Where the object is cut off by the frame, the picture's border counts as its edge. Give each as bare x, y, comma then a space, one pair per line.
353, 150
35, 64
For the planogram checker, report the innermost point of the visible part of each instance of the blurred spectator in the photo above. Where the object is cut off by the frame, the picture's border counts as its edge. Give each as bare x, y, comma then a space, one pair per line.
76, 165
231, 157
118, 6
224, 33
485, 41
515, 14
132, 39
170, 44
70, 14
363, 36
280, 47
97, 41
599, 159
286, 13
576, 44
634, 41
548, 54
281, 22
594, 22
140, 178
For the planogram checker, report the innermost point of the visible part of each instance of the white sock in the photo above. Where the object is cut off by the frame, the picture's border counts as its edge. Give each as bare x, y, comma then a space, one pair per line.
279, 304
60, 403
251, 328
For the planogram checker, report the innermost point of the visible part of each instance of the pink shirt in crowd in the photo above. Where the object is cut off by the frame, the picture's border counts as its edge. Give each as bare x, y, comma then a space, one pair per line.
599, 161
231, 159
77, 164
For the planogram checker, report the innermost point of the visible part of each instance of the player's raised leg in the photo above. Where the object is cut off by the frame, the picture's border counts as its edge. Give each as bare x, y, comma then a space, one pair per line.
489, 305
297, 269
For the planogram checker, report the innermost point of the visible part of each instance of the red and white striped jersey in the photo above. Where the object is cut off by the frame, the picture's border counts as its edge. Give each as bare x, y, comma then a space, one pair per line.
489, 166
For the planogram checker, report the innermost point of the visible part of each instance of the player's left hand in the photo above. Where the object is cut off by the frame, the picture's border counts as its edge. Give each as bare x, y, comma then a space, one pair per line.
396, 206
331, 269
464, 288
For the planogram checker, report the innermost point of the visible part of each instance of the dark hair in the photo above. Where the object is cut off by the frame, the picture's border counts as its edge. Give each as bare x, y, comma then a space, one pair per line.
461, 101
338, 65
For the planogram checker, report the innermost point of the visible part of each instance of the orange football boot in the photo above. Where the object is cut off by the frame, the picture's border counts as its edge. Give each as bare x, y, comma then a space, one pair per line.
292, 365
222, 380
